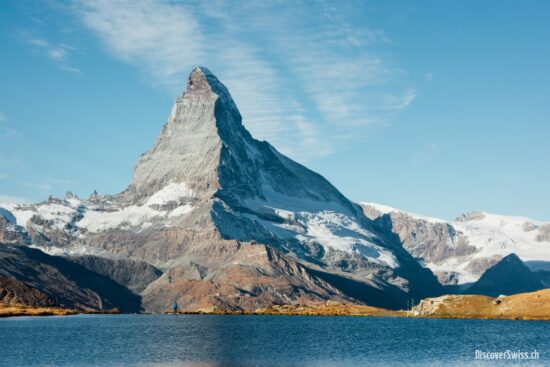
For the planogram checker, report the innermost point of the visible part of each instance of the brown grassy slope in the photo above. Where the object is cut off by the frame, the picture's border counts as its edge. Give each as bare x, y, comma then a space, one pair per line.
7, 310
525, 306
328, 309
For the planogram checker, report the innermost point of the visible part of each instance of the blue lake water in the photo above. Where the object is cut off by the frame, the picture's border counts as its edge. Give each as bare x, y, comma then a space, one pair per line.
201, 340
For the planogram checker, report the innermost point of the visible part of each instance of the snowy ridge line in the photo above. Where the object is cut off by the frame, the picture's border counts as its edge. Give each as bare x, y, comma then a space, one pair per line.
493, 236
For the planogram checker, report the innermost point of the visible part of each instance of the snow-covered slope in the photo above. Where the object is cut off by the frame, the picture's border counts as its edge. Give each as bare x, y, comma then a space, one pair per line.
461, 250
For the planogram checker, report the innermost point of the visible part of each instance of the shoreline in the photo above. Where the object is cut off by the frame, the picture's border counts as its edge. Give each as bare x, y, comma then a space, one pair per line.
45, 312
18, 310
21, 310
534, 306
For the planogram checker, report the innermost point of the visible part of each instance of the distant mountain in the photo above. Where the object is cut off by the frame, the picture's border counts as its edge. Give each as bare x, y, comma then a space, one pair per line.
509, 276
230, 222
459, 252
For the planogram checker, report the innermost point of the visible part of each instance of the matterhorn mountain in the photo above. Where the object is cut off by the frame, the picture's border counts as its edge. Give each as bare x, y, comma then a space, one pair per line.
462, 251
227, 221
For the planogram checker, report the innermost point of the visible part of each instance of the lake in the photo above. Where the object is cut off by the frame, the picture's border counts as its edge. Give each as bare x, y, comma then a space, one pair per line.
204, 340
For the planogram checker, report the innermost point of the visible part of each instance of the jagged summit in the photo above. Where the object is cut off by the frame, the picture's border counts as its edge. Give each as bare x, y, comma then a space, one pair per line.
188, 149
198, 82
201, 80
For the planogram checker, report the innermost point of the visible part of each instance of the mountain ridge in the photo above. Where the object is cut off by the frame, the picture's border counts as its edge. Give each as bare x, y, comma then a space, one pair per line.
460, 251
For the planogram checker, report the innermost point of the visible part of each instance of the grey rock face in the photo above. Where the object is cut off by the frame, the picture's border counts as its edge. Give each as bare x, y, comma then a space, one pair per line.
477, 215
431, 242
192, 160
10, 232
480, 265
134, 275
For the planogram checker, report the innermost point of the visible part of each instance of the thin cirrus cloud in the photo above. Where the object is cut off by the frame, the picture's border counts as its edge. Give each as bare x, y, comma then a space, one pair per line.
429, 152
58, 53
300, 85
5, 130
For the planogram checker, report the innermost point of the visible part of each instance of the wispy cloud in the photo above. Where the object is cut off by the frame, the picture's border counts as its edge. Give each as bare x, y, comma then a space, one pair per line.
59, 53
428, 153
6, 131
298, 84
161, 36
429, 76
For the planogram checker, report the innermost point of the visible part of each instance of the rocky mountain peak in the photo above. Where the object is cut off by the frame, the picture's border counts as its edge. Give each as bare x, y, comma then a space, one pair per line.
197, 82
187, 151
472, 216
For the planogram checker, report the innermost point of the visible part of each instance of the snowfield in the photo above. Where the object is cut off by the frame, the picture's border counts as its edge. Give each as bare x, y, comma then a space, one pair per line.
493, 236
98, 217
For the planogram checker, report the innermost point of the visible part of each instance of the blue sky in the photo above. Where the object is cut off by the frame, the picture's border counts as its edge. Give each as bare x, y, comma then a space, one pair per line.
436, 107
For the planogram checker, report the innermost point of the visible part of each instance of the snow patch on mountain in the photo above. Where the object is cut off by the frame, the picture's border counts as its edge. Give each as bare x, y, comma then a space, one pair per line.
326, 223
125, 218
385, 209
502, 235
171, 192
105, 215
140, 216
21, 212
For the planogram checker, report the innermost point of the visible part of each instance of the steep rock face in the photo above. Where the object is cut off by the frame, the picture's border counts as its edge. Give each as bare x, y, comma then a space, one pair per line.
430, 241
188, 148
459, 252
543, 233
14, 292
231, 221
134, 275
10, 232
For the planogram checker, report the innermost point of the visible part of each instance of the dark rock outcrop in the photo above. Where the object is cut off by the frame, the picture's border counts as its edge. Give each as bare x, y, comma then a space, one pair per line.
14, 292
509, 276
134, 275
